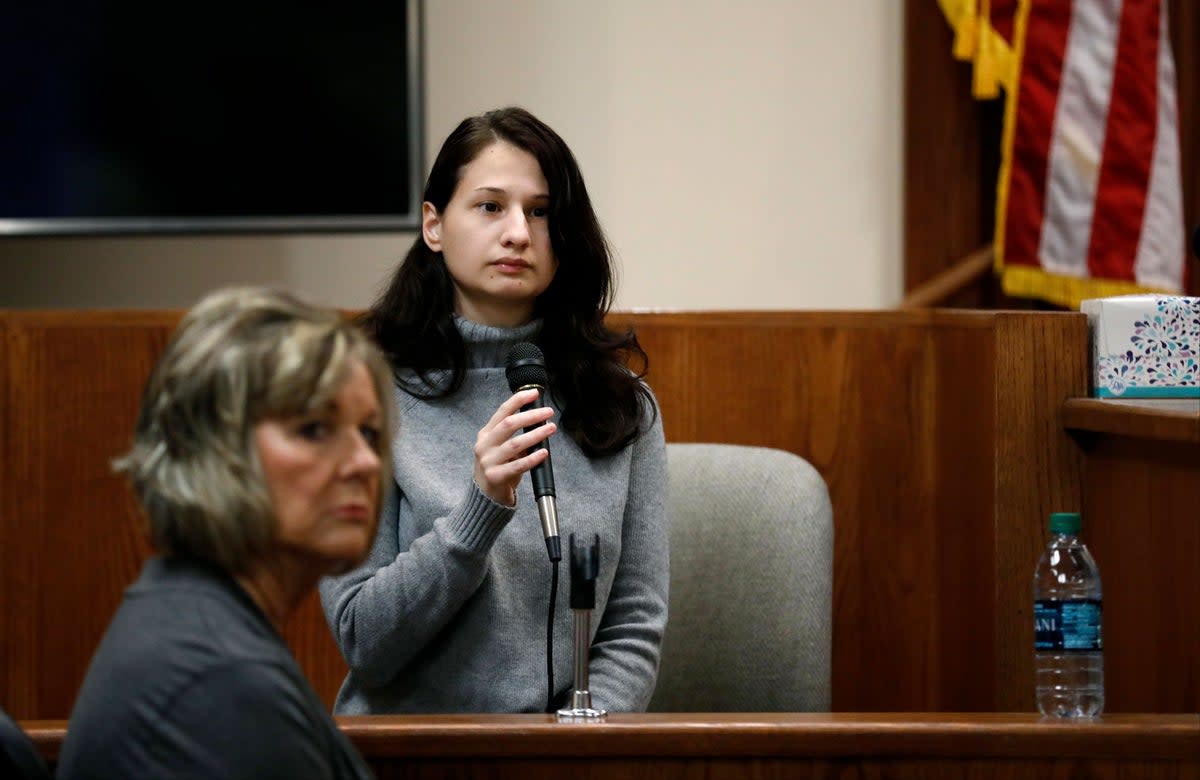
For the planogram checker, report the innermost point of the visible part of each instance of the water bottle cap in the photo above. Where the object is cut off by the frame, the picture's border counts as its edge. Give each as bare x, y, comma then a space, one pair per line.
1065, 523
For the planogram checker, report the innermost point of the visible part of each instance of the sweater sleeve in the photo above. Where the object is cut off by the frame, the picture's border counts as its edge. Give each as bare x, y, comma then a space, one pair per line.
626, 649
384, 612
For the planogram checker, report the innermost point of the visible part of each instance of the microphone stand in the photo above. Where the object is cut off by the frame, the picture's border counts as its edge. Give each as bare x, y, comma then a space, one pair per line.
585, 567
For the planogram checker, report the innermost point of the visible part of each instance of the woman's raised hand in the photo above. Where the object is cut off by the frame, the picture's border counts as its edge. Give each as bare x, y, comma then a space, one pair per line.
502, 449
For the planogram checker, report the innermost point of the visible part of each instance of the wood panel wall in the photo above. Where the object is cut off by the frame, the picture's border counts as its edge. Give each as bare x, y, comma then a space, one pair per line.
953, 141
1142, 523
938, 434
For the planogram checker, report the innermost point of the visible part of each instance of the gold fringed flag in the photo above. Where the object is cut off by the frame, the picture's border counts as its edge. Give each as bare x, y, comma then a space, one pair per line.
1089, 199
983, 36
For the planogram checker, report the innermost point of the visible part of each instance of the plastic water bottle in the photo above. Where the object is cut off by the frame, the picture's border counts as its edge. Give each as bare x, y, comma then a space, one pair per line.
1067, 609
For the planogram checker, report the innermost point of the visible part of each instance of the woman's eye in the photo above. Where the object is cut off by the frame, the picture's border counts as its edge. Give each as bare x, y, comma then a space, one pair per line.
370, 435
541, 212
313, 430
491, 207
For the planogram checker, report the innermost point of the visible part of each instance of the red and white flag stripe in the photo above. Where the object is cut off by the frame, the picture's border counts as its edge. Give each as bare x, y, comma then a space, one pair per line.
1091, 200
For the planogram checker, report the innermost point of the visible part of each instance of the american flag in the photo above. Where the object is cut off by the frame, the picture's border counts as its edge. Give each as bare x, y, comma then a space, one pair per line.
1089, 200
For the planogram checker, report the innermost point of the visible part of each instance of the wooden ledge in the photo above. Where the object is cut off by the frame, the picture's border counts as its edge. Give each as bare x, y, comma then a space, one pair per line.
794, 735
1166, 419
759, 735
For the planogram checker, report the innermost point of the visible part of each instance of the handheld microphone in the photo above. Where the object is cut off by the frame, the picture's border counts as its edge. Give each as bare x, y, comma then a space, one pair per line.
525, 368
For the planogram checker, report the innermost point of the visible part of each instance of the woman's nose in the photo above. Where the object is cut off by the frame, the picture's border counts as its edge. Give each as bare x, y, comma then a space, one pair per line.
362, 458
517, 229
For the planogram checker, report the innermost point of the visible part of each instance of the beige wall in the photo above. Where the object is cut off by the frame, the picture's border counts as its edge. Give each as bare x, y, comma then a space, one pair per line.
740, 155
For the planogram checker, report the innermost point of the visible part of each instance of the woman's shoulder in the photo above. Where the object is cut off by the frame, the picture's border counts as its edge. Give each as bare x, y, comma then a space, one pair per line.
198, 611
480, 392
647, 401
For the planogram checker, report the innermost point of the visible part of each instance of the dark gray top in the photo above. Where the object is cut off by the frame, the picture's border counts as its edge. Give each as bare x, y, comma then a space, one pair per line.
191, 680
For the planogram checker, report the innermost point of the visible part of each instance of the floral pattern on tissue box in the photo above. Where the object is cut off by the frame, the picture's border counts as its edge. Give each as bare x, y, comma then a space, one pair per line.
1156, 357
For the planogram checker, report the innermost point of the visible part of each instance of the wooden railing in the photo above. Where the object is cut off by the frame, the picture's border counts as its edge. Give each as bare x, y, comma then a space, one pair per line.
771, 747
949, 283
939, 435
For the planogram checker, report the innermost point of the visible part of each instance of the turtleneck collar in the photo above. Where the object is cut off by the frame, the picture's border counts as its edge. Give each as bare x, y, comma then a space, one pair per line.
488, 346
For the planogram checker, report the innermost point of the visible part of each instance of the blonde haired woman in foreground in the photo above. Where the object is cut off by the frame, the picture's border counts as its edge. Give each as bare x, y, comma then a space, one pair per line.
258, 459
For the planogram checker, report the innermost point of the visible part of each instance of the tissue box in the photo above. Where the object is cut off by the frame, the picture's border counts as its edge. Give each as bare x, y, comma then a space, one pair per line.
1144, 346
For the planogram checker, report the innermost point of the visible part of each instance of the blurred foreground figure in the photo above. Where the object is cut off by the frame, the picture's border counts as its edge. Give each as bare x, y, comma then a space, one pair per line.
257, 460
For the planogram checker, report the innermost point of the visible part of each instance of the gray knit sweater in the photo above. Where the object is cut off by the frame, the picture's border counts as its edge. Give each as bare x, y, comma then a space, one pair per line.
448, 613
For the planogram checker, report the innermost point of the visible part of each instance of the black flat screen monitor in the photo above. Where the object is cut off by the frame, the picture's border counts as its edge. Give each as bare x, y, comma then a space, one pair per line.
137, 117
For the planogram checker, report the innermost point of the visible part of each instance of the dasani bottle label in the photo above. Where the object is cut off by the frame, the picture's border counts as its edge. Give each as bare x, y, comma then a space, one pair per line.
1068, 625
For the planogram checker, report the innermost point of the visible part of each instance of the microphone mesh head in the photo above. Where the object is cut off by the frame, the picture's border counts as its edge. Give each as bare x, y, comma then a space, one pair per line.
525, 365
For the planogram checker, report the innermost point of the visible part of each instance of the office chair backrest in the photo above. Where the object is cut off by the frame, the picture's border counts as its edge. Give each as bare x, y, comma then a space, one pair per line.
19, 759
751, 601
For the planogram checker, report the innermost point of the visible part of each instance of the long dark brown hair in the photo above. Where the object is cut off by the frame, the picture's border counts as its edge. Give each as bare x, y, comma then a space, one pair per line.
595, 372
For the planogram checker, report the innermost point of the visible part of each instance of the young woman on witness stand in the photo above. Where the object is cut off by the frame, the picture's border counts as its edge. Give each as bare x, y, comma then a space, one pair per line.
448, 614
259, 458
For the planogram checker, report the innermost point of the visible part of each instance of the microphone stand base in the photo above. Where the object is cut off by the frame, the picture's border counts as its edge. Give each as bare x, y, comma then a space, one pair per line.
581, 715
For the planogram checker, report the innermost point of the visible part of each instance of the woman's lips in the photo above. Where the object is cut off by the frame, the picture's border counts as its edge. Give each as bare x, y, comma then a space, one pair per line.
511, 266
351, 512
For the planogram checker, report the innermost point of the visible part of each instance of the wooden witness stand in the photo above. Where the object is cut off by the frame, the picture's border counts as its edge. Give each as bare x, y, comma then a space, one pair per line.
945, 437
763, 746
937, 432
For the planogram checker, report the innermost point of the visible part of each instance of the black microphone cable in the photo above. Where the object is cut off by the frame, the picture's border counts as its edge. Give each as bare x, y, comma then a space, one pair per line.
550, 638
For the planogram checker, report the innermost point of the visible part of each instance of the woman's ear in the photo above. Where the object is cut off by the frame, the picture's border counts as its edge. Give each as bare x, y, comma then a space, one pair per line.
431, 227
